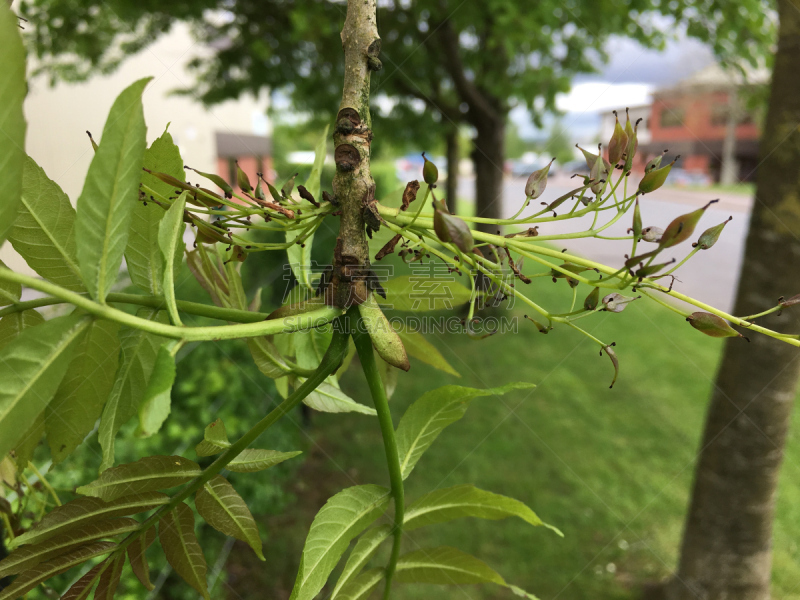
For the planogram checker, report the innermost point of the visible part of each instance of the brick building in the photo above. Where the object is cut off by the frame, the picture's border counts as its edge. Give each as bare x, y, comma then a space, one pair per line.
703, 119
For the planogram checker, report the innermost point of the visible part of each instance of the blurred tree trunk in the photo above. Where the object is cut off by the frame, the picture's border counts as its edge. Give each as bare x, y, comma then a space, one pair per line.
452, 168
729, 170
488, 157
727, 545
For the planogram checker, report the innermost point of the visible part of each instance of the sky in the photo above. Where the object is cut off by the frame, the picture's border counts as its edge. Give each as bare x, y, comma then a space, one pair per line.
628, 79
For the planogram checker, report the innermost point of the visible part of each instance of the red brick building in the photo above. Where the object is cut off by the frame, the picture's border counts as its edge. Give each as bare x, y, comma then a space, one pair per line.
694, 118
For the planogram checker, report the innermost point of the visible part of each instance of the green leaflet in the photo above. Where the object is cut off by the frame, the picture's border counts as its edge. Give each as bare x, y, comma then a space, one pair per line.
156, 405
362, 586
449, 566
170, 240
267, 358
253, 459
110, 191
145, 475
10, 292
461, 501
40, 573
422, 293
79, 400
27, 446
215, 440
109, 579
176, 532
418, 346
207, 276
327, 398
44, 232
82, 588
384, 338
31, 369
300, 255
139, 350
343, 517
444, 565
78, 513
365, 548
12, 120
11, 325
30, 556
223, 509
143, 254
433, 411
138, 558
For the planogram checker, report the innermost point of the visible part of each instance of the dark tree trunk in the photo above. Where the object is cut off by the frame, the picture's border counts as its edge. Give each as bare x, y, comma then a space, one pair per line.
726, 551
488, 157
452, 168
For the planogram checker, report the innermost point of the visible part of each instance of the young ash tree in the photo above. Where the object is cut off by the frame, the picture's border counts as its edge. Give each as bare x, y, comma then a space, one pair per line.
97, 363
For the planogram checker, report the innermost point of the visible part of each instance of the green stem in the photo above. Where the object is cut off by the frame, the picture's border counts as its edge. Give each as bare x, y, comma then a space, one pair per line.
367, 357
304, 321
192, 308
330, 362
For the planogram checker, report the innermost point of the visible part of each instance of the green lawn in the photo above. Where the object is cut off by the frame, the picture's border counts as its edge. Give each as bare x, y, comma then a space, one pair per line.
610, 468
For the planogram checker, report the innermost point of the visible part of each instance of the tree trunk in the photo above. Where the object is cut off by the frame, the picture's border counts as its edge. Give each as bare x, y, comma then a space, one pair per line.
488, 157
353, 186
729, 170
726, 551
452, 168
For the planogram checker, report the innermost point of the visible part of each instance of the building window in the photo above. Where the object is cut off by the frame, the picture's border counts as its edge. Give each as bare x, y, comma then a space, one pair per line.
671, 117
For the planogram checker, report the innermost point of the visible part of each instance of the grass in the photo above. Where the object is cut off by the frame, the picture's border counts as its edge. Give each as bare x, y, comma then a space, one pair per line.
611, 468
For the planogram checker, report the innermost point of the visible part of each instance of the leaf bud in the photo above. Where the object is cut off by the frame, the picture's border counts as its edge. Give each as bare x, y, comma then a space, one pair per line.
286, 189
618, 143
219, 181
592, 300
654, 163
710, 236
682, 228
712, 325
636, 229
633, 142
242, 180
91, 139
655, 178
430, 174
537, 182
451, 229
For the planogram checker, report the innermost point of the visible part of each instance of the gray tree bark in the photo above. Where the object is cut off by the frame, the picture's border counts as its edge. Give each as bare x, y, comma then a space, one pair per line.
729, 170
727, 545
451, 140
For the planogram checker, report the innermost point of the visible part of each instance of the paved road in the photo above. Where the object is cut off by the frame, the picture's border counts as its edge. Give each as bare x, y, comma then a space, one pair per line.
710, 276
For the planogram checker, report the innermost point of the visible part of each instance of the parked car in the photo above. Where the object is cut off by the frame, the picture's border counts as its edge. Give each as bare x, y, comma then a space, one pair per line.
574, 166
522, 167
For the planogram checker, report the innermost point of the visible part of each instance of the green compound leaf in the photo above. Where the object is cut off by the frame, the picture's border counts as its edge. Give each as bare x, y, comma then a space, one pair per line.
157, 401
343, 517
41, 573
10, 292
145, 475
327, 398
138, 558
12, 325
466, 501
432, 412
215, 440
31, 369
110, 191
109, 579
444, 566
30, 556
362, 586
223, 509
254, 459
170, 240
44, 232
82, 511
143, 254
77, 405
365, 548
138, 357
418, 346
82, 588
12, 120
423, 293
176, 532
